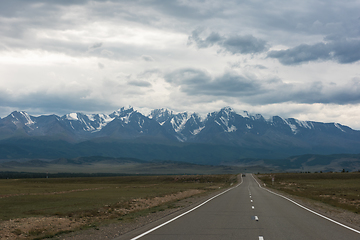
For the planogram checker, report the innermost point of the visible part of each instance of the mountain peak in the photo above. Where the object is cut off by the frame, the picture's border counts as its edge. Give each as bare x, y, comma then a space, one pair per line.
22, 116
244, 114
122, 111
227, 110
161, 115
72, 116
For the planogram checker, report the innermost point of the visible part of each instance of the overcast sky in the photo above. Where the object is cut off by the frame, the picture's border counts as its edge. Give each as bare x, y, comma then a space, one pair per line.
290, 58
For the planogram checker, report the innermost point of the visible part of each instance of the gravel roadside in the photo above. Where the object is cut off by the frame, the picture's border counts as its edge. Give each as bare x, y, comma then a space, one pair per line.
114, 230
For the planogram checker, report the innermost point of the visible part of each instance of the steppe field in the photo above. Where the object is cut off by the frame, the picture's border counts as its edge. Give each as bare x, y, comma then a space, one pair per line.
40, 208
340, 190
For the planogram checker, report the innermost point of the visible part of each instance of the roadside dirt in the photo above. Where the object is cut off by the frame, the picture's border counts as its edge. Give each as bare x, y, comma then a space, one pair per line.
114, 230
28, 228
35, 227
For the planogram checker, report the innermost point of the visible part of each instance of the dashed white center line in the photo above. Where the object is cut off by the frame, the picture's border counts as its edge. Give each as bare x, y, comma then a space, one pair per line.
261, 238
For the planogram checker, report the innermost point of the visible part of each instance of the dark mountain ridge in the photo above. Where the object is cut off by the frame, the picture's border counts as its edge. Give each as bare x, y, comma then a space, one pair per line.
165, 135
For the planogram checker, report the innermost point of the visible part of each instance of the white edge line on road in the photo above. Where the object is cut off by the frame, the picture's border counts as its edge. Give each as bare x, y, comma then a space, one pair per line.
331, 220
163, 224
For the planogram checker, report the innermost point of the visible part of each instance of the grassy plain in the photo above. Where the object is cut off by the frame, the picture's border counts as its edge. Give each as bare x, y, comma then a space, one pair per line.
142, 168
88, 201
340, 190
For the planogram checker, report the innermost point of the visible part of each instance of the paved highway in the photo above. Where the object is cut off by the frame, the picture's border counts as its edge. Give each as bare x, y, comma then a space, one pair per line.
247, 211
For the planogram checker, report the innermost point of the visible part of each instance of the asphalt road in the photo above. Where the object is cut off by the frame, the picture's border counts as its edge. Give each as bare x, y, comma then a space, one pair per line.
245, 212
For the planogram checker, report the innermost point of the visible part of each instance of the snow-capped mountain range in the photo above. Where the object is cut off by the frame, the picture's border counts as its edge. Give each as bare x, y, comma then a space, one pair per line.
221, 127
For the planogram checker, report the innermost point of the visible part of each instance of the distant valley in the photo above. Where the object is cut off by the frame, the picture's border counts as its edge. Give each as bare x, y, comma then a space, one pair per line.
125, 166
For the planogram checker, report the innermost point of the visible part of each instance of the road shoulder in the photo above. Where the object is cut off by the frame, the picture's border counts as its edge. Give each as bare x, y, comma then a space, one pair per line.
340, 215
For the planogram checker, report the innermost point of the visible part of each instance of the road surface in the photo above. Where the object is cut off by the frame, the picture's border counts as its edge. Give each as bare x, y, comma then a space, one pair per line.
247, 211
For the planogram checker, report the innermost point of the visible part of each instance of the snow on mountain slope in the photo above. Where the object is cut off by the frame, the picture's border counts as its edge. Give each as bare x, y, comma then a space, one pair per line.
178, 121
225, 118
184, 127
338, 126
21, 118
101, 119
305, 124
95, 122
29, 121
160, 115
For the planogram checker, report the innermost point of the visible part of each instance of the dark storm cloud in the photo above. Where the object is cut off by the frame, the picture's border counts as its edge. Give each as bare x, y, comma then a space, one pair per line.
199, 82
235, 44
244, 44
346, 51
301, 54
342, 51
255, 91
212, 39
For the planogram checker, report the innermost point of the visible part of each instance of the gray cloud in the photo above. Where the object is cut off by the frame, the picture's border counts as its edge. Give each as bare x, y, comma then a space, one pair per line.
59, 103
346, 51
255, 91
147, 58
342, 51
189, 9
234, 44
101, 66
139, 83
307, 19
244, 44
301, 54
107, 53
95, 45
209, 41
198, 82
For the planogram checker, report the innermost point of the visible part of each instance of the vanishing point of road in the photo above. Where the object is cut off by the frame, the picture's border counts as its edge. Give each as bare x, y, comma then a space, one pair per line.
246, 211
